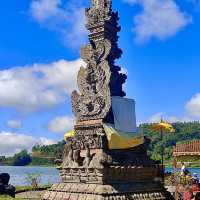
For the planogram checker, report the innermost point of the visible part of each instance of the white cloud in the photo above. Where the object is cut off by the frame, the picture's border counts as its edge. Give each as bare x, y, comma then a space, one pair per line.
43, 10
193, 106
61, 124
17, 142
124, 71
68, 19
159, 19
46, 141
192, 112
38, 86
155, 118
14, 124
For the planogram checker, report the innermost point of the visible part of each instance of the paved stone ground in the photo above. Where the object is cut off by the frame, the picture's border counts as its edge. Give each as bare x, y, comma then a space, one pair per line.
36, 195
33, 195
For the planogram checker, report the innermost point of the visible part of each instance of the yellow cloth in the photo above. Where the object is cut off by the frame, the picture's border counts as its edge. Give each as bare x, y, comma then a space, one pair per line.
116, 139
69, 134
120, 140
163, 126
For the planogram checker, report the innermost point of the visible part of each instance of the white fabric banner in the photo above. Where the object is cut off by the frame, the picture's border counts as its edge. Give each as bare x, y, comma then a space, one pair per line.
124, 114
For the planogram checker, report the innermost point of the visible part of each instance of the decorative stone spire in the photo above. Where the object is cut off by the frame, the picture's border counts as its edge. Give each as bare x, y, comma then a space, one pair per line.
102, 4
101, 79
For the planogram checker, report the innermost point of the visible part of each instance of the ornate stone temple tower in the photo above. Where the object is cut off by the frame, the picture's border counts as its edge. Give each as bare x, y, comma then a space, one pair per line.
91, 170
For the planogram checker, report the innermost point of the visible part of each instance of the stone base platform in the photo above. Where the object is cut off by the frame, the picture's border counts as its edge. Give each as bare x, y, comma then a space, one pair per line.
128, 191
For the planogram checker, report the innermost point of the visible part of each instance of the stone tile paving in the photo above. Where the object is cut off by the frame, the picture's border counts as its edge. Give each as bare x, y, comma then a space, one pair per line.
33, 195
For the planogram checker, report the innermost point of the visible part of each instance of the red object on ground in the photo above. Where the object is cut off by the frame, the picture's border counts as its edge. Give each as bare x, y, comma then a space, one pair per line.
187, 195
195, 188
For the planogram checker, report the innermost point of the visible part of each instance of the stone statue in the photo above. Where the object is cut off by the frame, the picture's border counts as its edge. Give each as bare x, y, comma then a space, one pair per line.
101, 160
78, 160
68, 156
88, 157
5, 187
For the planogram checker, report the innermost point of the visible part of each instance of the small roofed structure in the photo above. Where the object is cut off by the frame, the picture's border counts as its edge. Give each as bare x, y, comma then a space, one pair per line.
191, 148
187, 151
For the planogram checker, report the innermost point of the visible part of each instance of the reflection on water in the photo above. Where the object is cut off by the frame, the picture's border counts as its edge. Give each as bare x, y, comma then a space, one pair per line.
18, 175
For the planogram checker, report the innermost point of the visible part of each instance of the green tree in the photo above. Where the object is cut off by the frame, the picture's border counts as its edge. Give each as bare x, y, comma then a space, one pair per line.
184, 131
22, 158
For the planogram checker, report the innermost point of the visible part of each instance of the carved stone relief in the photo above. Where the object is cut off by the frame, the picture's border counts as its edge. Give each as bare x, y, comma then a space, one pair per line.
100, 79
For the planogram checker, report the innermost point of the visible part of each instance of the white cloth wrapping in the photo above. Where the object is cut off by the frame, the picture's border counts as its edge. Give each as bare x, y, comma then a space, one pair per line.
124, 114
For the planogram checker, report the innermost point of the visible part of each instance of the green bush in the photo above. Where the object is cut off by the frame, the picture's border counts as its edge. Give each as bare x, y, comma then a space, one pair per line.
22, 158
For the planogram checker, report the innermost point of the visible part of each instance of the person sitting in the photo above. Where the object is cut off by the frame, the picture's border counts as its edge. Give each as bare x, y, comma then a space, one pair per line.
195, 183
184, 170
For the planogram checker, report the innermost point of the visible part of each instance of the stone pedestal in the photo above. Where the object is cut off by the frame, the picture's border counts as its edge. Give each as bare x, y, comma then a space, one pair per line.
93, 172
128, 191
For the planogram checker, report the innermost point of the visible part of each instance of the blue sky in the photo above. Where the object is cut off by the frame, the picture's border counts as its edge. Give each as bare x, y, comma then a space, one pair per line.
39, 60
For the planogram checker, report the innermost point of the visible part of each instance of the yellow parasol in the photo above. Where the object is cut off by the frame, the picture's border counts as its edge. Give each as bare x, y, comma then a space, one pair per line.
164, 127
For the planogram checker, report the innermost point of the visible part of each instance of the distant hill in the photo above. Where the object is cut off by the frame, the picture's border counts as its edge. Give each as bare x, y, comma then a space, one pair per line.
45, 155
40, 156
52, 151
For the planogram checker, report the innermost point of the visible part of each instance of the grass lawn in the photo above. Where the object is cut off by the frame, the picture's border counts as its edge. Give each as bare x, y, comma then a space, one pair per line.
4, 197
30, 188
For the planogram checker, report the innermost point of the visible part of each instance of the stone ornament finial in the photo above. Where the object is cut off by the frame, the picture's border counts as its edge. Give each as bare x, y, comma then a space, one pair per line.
102, 4
95, 3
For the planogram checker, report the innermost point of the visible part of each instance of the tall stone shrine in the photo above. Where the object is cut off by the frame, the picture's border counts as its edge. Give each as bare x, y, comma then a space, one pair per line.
105, 159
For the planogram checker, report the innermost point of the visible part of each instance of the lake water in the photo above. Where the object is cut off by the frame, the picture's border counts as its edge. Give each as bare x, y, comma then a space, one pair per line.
191, 170
19, 175
48, 175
